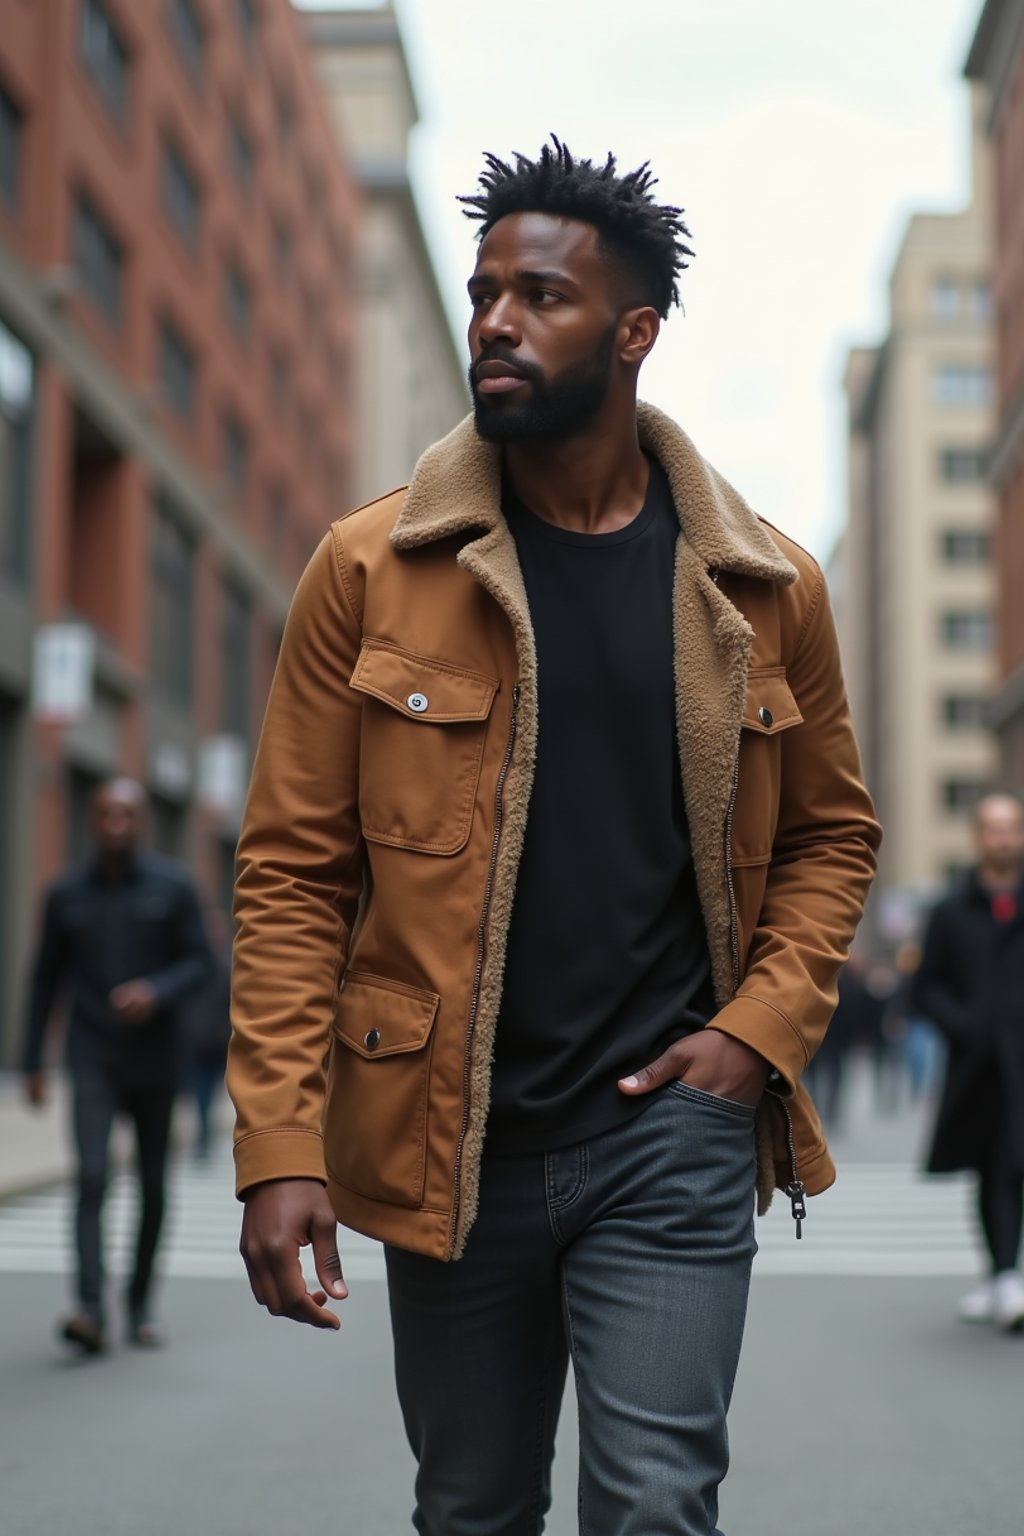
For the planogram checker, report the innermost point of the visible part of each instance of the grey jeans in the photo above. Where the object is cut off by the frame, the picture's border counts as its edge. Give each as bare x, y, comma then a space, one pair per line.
629, 1253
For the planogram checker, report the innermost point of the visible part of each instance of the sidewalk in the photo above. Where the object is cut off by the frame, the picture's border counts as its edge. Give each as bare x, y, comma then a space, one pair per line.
33, 1143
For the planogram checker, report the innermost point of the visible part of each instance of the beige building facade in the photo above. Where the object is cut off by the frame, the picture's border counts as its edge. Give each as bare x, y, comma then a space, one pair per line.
412, 378
917, 569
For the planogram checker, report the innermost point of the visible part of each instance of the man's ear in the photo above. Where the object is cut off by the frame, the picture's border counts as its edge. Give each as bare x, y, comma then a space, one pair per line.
638, 331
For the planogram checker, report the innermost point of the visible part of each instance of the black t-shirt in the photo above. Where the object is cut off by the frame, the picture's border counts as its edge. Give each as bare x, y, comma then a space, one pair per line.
607, 959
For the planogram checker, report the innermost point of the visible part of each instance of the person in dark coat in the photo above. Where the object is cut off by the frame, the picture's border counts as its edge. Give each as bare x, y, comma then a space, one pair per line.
207, 1021
970, 984
123, 939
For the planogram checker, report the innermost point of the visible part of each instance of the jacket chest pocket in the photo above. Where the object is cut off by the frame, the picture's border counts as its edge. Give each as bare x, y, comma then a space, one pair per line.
769, 710
422, 742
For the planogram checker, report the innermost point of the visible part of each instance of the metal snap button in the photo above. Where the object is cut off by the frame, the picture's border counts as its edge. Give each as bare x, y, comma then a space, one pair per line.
417, 702
765, 716
371, 1039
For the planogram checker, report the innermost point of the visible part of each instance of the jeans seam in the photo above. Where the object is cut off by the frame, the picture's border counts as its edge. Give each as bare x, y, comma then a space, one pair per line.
535, 1512
557, 1205
576, 1371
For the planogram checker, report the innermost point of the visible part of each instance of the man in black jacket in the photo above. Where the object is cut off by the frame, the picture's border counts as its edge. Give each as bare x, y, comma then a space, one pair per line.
971, 985
123, 938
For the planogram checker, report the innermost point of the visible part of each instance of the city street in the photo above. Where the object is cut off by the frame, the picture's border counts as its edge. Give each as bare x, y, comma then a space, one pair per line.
862, 1403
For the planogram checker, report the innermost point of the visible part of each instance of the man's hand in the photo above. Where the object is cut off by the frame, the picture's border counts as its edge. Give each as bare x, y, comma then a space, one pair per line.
709, 1059
37, 1090
134, 1001
281, 1217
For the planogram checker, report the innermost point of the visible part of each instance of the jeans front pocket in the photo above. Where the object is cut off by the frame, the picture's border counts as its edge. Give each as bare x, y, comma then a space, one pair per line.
713, 1100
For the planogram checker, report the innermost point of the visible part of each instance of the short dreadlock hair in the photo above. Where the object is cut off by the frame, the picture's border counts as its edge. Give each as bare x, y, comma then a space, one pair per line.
646, 238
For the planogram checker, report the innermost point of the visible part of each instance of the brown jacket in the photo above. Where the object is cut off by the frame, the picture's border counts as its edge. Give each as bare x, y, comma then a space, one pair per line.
378, 856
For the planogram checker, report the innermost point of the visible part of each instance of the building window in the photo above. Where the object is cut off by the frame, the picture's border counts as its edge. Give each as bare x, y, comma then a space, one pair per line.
247, 17
965, 711
945, 298
966, 546
241, 152
285, 109
17, 400
962, 384
105, 55
237, 300
961, 796
279, 376
10, 149
963, 466
99, 258
181, 195
979, 298
234, 456
277, 518
235, 649
172, 609
187, 31
967, 629
176, 364
282, 237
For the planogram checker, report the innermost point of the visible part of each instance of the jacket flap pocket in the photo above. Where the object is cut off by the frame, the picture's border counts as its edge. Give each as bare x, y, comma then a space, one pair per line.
770, 705
377, 1017
421, 688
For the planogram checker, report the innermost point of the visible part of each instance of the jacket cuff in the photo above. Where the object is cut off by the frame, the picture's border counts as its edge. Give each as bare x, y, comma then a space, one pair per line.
770, 1033
287, 1154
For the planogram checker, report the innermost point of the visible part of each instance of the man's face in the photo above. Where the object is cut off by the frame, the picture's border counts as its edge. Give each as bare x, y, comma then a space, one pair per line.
543, 332
117, 819
1000, 833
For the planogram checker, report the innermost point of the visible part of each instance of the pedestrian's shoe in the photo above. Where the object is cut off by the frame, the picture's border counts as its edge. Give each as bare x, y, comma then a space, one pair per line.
1008, 1311
85, 1332
144, 1334
978, 1306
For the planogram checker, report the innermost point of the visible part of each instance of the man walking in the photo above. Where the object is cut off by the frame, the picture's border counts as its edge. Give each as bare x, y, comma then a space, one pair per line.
555, 843
970, 984
123, 938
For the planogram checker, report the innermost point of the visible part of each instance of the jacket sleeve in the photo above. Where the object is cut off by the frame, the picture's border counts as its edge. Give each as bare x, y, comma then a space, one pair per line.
48, 974
193, 963
299, 879
822, 864
934, 992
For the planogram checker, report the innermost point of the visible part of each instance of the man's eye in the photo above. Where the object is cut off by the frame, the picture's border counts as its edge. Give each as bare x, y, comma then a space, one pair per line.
544, 296
479, 300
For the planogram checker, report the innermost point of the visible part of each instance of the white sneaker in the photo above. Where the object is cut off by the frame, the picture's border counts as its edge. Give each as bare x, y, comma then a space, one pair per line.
1008, 1309
979, 1305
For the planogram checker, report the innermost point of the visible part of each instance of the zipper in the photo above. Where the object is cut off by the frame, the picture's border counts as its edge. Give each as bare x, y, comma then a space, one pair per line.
734, 935
474, 1002
796, 1191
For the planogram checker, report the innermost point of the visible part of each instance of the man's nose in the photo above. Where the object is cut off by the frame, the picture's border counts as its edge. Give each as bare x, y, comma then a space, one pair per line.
500, 321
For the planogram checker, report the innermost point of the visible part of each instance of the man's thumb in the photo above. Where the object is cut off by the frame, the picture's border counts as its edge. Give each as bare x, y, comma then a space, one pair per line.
327, 1259
646, 1078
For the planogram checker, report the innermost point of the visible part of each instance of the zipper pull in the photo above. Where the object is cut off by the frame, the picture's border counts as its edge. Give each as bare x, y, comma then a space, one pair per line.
796, 1193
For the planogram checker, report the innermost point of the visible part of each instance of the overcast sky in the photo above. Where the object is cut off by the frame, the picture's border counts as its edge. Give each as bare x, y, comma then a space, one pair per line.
798, 135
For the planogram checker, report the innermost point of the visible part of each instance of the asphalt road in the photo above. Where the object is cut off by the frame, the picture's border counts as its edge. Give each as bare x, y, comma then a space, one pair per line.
862, 1406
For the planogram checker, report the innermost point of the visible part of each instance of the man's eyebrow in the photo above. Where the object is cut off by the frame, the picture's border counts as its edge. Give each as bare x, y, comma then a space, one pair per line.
525, 275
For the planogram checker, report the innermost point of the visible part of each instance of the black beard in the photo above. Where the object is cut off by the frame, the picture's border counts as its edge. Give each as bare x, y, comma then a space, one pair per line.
557, 408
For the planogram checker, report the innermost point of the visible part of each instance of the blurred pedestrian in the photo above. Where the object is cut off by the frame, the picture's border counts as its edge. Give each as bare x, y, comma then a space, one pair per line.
123, 943
971, 985
915, 1036
555, 843
207, 1028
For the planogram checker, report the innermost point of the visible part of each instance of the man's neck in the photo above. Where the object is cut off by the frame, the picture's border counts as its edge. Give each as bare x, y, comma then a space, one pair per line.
593, 482
998, 877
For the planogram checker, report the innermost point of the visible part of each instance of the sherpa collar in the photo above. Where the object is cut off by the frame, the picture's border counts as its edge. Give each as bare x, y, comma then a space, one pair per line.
456, 488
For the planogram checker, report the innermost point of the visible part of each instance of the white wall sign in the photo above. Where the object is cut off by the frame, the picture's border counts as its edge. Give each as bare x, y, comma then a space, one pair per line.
63, 671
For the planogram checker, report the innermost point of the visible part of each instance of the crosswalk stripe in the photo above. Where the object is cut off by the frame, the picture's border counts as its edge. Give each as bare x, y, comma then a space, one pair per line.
880, 1220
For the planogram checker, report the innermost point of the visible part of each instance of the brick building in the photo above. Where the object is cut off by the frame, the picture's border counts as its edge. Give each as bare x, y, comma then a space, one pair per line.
176, 355
997, 58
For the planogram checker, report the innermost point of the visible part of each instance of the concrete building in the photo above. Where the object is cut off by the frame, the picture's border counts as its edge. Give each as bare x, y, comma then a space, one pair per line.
411, 387
996, 58
176, 357
917, 578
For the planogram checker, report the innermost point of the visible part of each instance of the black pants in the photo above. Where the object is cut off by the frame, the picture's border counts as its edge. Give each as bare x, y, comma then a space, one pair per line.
96, 1099
1001, 1203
